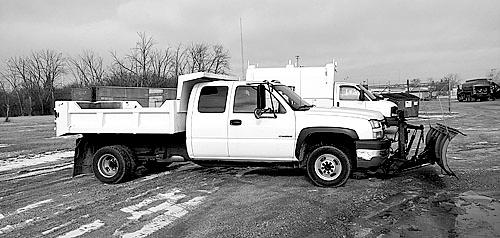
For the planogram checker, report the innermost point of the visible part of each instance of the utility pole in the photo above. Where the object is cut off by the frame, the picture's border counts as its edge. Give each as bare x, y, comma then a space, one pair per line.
449, 95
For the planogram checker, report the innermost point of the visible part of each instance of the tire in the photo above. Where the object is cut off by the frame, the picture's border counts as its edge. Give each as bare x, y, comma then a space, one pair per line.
112, 164
328, 166
131, 157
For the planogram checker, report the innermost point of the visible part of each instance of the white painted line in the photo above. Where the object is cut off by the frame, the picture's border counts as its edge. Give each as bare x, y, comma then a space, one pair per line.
56, 228
173, 213
32, 206
171, 196
83, 229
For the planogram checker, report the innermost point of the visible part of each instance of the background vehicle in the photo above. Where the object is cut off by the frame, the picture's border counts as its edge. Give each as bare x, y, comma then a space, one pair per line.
475, 90
317, 85
218, 120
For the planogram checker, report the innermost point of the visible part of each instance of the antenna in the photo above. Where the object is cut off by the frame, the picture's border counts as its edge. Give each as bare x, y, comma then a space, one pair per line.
241, 46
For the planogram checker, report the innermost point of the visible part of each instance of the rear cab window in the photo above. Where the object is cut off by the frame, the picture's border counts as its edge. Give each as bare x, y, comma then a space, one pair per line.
213, 99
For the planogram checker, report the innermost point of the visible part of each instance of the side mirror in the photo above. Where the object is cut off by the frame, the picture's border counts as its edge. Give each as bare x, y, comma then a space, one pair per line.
258, 113
361, 96
261, 97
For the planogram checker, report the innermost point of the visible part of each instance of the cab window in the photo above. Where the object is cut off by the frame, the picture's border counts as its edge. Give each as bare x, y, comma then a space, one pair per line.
213, 99
245, 100
349, 93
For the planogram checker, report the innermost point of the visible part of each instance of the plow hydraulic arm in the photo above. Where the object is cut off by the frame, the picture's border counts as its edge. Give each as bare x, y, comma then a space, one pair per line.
435, 143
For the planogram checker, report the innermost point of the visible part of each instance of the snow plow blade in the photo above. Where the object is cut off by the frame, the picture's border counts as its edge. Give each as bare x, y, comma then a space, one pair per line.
436, 145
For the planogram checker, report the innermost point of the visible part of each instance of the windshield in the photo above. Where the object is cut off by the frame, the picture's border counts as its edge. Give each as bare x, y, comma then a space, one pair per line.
368, 93
294, 100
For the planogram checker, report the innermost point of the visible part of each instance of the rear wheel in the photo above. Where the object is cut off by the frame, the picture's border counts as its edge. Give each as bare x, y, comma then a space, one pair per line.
112, 164
328, 166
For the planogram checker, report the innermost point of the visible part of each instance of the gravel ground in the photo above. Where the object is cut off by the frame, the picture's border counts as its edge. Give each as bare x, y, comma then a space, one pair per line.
188, 200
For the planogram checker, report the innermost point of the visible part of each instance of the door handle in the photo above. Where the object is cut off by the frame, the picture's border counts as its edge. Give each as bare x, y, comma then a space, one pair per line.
235, 122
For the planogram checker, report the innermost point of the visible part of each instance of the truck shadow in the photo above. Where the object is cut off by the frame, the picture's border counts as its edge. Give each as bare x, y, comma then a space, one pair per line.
275, 171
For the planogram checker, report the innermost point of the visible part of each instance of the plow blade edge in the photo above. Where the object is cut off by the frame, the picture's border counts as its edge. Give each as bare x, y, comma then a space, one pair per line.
436, 145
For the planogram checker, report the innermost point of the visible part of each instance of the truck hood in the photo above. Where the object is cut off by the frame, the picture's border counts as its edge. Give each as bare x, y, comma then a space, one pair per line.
346, 112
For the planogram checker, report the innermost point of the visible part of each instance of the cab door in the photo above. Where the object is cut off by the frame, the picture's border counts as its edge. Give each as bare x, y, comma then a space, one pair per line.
270, 138
209, 123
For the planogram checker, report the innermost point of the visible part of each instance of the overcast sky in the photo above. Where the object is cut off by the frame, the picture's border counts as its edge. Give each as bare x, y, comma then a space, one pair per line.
378, 40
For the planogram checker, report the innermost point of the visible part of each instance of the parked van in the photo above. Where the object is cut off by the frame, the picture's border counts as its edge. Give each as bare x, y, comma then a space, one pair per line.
317, 86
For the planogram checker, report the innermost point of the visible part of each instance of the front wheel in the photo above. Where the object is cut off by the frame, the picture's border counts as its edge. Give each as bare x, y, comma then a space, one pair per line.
328, 166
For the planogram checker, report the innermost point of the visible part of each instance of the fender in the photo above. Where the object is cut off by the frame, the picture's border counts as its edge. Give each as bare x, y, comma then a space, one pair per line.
304, 133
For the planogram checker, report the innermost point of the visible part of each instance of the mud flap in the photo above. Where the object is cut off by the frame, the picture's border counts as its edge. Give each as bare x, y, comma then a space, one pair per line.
83, 157
436, 145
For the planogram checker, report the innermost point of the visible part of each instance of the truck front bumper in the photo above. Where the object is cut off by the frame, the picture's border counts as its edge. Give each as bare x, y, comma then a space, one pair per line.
371, 153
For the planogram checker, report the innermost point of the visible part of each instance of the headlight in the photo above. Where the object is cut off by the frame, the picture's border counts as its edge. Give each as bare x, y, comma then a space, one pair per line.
378, 131
394, 111
375, 124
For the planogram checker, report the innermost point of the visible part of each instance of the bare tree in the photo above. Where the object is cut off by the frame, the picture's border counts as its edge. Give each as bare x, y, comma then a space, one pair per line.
452, 80
415, 82
19, 73
14, 75
137, 62
494, 75
87, 68
219, 62
198, 56
5, 92
45, 67
180, 62
203, 58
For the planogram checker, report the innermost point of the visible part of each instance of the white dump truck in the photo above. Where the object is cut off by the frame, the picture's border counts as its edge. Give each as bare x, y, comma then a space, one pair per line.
317, 86
217, 120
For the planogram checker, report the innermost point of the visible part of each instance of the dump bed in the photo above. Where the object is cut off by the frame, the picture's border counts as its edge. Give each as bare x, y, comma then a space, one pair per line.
121, 117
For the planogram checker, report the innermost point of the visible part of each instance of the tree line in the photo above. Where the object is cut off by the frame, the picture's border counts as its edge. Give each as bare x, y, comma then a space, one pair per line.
29, 85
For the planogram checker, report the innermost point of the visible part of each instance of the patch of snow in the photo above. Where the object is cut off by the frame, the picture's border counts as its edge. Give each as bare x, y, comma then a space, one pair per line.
153, 176
32, 206
4, 145
2, 216
40, 171
63, 137
19, 225
83, 229
24, 161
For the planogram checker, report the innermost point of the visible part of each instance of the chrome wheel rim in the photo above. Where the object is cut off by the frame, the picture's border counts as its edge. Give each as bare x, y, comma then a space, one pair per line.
108, 165
328, 167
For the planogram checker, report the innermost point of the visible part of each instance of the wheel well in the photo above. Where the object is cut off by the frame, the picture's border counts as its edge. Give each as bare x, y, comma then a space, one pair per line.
342, 141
